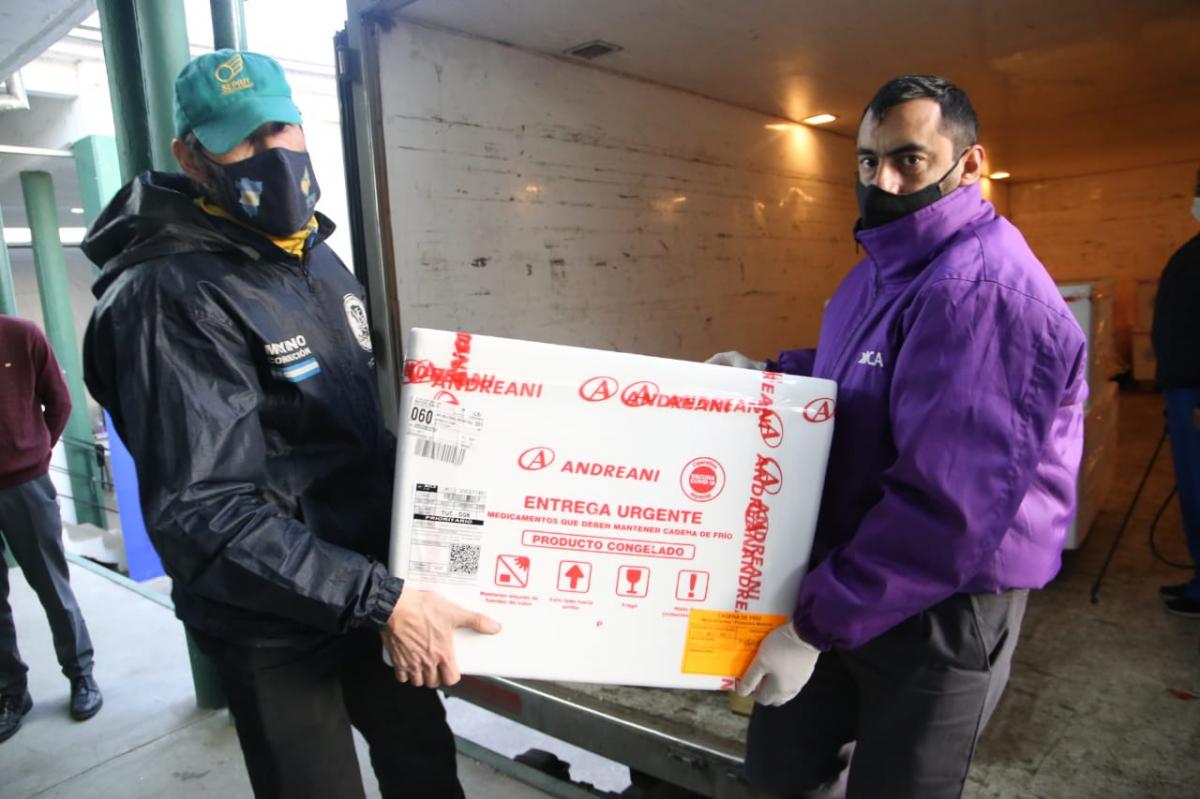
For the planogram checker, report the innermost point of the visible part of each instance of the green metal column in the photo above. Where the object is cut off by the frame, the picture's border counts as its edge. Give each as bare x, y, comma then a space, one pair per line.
8, 294
229, 24
51, 267
145, 47
99, 171
163, 44
122, 59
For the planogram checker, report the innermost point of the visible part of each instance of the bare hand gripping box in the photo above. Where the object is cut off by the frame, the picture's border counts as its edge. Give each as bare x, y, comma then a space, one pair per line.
627, 519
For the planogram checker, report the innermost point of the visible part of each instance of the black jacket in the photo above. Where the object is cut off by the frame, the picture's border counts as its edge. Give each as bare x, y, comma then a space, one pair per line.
1176, 329
242, 381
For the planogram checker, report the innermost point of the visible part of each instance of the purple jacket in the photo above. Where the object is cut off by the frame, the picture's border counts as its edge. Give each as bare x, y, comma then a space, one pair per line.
961, 381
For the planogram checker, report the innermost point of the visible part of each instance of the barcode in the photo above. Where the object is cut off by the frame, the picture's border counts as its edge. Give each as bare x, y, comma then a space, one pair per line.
464, 559
427, 448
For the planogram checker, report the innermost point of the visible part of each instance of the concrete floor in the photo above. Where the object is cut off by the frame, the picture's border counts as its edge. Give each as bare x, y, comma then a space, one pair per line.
149, 739
1089, 711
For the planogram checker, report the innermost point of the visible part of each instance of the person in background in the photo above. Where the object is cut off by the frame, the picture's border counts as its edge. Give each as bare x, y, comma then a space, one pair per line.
231, 348
1175, 334
34, 407
951, 479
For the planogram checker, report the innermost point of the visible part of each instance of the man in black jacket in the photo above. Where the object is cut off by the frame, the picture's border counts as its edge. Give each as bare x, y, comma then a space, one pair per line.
229, 344
1175, 334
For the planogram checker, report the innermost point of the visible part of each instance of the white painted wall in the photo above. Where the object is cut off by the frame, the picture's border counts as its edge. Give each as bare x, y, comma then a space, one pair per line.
538, 198
1119, 225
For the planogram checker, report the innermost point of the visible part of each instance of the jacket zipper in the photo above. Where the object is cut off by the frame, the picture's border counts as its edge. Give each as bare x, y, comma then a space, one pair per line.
307, 274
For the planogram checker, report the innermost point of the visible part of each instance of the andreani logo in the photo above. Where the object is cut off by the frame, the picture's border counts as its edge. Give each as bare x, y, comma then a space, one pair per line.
648, 394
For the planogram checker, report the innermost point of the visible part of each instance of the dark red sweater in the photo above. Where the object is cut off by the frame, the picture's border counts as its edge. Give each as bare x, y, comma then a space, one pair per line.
29, 379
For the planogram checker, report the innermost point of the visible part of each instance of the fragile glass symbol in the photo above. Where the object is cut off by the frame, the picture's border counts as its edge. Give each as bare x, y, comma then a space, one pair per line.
633, 581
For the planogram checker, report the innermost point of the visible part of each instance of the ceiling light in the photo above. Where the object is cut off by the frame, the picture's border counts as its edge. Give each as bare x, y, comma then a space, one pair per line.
77, 210
1000, 175
819, 119
780, 125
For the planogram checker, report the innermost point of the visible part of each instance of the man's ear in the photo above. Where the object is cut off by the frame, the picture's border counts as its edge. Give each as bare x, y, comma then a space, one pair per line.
189, 161
973, 163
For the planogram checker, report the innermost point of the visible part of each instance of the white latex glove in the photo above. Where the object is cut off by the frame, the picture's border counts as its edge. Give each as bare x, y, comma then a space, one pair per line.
736, 359
782, 667
419, 637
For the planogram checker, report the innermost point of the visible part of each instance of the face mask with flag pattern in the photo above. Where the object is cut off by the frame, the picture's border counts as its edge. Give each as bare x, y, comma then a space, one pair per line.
274, 191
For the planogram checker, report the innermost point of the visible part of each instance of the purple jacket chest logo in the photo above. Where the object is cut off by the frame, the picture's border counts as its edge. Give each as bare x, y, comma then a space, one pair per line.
871, 358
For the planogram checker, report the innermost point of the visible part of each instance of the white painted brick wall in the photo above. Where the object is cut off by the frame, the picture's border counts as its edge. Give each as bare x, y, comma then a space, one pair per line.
537, 198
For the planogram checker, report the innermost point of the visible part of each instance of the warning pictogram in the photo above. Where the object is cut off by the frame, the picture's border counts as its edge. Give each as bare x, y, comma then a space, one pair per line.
633, 581
574, 576
692, 586
512, 571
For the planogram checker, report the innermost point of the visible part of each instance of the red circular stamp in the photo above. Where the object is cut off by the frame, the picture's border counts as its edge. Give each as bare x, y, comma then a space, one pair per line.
702, 479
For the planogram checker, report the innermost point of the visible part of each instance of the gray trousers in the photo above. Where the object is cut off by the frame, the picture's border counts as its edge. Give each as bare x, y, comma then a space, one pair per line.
897, 717
32, 527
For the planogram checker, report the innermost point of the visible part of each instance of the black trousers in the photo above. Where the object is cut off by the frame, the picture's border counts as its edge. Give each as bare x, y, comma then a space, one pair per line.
897, 717
32, 526
293, 709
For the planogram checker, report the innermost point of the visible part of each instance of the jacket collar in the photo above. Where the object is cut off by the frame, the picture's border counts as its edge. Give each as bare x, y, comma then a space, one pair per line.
901, 248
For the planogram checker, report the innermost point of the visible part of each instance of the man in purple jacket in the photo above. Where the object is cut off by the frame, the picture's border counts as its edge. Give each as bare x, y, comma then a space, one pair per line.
34, 406
951, 480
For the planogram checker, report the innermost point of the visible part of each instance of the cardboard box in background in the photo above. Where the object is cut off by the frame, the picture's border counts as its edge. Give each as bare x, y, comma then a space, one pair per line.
628, 519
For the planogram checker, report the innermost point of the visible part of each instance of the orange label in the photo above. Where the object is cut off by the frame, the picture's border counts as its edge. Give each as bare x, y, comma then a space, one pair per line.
722, 643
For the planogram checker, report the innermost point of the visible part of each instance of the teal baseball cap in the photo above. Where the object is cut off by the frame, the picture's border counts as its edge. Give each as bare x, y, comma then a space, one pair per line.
223, 96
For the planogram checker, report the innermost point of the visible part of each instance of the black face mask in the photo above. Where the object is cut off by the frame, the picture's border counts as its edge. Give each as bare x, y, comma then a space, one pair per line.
878, 207
274, 191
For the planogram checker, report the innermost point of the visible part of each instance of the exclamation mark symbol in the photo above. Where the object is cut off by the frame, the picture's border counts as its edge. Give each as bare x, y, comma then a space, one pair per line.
692, 585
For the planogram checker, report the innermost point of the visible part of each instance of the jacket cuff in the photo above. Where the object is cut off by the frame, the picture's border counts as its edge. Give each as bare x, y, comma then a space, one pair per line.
809, 635
382, 600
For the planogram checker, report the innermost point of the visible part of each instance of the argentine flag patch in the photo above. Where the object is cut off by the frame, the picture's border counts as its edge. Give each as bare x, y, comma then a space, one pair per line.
299, 371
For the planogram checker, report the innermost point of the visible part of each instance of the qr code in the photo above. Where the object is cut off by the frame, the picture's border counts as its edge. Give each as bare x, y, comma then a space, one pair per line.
464, 559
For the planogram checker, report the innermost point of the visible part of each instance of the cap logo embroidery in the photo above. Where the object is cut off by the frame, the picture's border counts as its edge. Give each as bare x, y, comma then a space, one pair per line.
227, 73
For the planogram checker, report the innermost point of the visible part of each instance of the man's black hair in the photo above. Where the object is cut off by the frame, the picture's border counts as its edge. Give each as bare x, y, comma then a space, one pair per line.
959, 121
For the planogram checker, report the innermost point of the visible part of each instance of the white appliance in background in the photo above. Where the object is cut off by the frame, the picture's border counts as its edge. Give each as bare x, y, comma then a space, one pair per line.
1091, 303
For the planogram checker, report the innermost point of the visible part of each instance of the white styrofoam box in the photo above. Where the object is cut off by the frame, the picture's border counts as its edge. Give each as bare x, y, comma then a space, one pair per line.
1098, 467
627, 519
1091, 302
1145, 291
1145, 363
